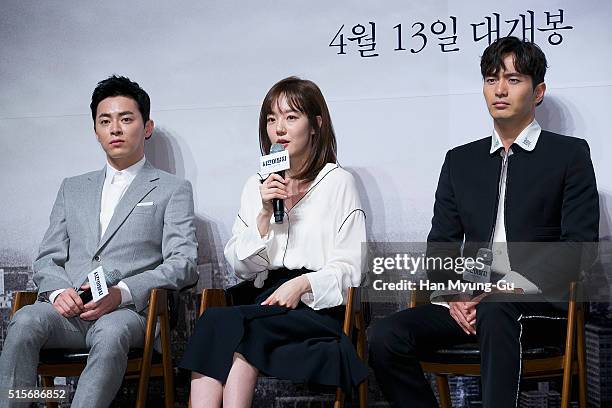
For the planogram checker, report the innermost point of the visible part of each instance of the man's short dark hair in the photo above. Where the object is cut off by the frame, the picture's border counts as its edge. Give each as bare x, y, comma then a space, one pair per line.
528, 58
120, 86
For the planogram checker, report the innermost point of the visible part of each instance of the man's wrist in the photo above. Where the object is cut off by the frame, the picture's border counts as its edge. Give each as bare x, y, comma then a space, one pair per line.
115, 295
52, 295
126, 295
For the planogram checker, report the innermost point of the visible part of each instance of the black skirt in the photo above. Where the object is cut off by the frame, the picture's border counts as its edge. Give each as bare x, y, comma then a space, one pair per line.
301, 345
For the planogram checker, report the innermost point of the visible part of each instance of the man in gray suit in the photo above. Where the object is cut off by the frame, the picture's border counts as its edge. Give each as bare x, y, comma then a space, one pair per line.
134, 221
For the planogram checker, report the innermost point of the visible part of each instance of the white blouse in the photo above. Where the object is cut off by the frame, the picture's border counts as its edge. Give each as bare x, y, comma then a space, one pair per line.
322, 232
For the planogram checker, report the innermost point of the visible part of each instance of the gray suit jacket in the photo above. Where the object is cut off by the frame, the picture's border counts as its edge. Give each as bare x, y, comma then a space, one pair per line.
152, 246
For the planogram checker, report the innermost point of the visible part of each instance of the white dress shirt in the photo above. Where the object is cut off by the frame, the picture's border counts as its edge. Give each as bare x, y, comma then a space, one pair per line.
322, 232
116, 183
527, 140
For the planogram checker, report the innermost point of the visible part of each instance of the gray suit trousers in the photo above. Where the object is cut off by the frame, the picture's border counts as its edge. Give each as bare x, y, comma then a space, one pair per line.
109, 339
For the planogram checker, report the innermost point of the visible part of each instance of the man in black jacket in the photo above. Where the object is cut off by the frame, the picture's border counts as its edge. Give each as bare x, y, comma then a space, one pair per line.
529, 195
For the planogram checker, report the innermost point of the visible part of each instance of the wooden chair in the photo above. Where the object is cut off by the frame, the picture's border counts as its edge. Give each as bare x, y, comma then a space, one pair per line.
542, 362
142, 363
353, 323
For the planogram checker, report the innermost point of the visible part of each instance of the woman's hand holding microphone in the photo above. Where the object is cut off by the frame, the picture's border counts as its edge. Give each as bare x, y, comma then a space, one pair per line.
273, 187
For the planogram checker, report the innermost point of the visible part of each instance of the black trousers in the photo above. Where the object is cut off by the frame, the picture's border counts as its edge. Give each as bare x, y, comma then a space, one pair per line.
396, 342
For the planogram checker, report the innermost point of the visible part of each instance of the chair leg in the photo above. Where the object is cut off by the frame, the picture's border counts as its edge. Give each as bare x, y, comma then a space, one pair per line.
339, 401
48, 382
361, 352
580, 349
568, 356
145, 364
167, 362
567, 383
363, 394
168, 387
143, 386
444, 391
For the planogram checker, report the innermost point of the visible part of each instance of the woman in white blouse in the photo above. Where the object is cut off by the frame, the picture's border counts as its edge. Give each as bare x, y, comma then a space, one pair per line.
298, 272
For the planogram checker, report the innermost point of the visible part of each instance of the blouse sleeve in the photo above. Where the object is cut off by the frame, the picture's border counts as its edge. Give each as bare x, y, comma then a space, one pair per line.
344, 266
247, 251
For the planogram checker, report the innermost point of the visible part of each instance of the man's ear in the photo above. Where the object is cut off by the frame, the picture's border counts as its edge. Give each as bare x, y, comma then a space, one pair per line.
538, 93
149, 126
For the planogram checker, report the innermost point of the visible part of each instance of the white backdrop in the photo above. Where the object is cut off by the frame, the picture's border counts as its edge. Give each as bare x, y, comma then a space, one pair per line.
208, 64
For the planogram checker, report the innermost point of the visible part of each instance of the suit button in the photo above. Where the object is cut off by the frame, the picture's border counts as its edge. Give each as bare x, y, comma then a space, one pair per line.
97, 258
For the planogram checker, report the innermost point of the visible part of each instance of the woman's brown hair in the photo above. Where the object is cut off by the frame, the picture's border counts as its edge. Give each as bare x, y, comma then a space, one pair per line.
306, 97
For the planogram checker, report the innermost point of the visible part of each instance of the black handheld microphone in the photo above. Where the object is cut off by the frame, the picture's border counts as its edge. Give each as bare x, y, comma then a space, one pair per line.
277, 203
112, 278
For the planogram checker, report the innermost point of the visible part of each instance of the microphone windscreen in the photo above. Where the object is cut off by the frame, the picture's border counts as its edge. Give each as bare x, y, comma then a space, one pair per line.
276, 147
486, 255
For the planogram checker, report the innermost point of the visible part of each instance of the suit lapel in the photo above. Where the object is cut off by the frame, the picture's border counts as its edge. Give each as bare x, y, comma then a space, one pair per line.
94, 197
143, 183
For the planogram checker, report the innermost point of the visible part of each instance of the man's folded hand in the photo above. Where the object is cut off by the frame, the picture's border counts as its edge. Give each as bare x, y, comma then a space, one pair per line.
94, 310
68, 303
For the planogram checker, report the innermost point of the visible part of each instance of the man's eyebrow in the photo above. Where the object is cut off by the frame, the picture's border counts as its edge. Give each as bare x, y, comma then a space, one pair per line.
108, 115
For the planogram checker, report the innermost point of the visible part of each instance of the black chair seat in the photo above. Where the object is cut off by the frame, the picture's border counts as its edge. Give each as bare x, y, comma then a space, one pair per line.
470, 354
69, 356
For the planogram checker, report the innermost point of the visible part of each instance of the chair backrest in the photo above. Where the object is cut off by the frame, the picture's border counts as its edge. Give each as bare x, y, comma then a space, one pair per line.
572, 310
22, 299
418, 297
210, 298
158, 306
353, 305
159, 299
